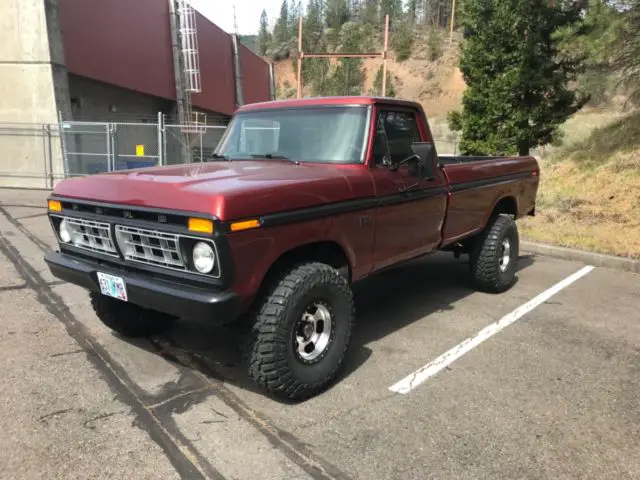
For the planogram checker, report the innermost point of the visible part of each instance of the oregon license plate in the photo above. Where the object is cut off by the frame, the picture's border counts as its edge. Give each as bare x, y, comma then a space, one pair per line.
112, 286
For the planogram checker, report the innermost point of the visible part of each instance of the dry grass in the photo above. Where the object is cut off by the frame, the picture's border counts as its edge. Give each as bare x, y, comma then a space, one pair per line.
589, 195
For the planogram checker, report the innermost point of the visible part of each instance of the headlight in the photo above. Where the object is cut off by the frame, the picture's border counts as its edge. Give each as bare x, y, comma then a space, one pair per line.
204, 259
65, 231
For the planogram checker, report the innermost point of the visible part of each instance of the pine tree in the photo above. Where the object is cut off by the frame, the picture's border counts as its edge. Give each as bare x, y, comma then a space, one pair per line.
315, 71
370, 10
348, 76
281, 29
337, 13
264, 38
294, 12
393, 8
517, 84
412, 11
376, 89
626, 56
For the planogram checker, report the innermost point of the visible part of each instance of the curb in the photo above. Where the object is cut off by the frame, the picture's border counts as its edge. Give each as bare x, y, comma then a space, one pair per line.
595, 259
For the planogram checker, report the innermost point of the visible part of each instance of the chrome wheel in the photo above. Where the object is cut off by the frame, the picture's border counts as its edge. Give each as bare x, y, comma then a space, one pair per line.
505, 256
313, 332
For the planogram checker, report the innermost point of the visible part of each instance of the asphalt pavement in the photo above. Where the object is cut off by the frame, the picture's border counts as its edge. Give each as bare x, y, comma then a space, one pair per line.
542, 381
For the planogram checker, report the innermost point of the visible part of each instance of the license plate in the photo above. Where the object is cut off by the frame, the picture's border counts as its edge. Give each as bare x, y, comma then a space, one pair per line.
112, 286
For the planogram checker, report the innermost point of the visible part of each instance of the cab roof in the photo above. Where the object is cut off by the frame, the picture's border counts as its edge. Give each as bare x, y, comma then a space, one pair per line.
321, 101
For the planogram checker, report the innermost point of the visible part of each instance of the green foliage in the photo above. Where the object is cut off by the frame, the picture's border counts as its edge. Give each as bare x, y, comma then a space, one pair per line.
370, 12
402, 41
434, 44
626, 56
376, 89
251, 42
412, 11
315, 70
517, 83
295, 11
348, 76
264, 37
592, 40
391, 7
281, 32
286, 91
336, 13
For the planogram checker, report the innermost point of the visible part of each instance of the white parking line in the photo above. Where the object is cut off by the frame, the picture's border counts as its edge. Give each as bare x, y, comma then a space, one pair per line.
414, 379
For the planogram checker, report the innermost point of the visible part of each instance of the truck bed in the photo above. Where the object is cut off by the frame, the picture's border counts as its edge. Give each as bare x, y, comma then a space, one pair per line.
477, 183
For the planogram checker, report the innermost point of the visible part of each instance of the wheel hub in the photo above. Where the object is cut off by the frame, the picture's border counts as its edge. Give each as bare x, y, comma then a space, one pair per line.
313, 332
505, 256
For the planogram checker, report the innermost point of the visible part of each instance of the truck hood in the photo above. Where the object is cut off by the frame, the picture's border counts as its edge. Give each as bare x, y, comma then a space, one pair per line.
228, 190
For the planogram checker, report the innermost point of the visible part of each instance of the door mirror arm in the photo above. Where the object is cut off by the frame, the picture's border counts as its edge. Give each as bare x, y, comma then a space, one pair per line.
394, 166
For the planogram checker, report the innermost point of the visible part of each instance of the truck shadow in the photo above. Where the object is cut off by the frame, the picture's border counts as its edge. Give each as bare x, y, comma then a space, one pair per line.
394, 299
385, 304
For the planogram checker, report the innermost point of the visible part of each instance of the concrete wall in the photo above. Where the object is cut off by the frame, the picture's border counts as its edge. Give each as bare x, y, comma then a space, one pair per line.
28, 93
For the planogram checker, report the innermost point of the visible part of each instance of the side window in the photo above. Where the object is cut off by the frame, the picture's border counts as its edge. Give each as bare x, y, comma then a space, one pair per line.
401, 130
380, 152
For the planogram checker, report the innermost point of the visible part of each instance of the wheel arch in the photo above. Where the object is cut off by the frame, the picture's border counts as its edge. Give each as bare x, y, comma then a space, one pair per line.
324, 251
507, 205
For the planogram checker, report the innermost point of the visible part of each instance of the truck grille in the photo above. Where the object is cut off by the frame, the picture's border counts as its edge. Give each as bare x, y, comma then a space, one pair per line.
93, 236
150, 247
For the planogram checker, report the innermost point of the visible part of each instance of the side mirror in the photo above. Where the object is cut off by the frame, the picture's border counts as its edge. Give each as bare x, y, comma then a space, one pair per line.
427, 158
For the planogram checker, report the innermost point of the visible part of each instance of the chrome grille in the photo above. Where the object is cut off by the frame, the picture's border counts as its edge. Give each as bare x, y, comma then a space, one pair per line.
89, 235
150, 247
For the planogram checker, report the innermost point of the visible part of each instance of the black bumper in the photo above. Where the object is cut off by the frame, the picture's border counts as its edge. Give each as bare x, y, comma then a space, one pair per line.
173, 298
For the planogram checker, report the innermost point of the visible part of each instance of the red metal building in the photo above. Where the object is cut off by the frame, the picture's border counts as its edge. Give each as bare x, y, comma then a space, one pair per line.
127, 44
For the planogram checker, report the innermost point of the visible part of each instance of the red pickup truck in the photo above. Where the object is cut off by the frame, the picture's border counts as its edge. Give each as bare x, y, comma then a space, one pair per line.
301, 199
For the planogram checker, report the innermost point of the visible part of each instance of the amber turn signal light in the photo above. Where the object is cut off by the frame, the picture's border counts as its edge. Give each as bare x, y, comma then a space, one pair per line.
200, 225
55, 205
245, 225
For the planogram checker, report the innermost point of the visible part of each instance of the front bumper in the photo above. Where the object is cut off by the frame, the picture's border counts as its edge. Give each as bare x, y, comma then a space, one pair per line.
173, 298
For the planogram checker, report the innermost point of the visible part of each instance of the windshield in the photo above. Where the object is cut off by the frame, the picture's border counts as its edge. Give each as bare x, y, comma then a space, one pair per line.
308, 134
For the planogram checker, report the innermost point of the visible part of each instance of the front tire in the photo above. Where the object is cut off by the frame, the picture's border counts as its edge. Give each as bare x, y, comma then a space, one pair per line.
128, 319
495, 255
301, 332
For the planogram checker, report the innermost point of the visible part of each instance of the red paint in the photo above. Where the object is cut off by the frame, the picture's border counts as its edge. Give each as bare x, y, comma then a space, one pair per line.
128, 44
253, 67
392, 232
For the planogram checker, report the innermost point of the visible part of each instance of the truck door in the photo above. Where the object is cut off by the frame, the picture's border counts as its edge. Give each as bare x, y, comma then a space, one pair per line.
410, 210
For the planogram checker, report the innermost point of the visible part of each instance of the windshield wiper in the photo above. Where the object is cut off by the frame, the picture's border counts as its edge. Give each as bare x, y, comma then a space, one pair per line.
274, 156
217, 156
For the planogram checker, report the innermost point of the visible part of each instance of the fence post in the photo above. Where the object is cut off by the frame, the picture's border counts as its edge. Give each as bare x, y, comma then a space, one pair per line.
109, 133
50, 154
164, 139
63, 145
159, 138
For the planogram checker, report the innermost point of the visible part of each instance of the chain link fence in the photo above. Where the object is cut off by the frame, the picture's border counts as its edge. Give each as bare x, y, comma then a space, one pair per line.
38, 155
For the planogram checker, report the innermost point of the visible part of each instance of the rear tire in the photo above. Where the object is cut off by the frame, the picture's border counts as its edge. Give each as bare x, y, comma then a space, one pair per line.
495, 255
128, 319
301, 331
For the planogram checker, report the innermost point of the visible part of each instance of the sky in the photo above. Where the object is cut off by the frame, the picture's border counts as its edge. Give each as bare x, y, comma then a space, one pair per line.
248, 13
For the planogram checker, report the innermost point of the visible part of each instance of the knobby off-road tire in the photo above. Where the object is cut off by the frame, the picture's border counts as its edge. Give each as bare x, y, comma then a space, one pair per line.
128, 319
495, 255
281, 321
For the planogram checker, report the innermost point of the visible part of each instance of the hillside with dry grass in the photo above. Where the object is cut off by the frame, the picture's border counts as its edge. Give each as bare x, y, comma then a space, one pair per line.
589, 194
437, 85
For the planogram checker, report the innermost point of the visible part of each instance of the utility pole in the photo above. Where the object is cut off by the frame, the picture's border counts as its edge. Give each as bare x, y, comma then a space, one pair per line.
235, 20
